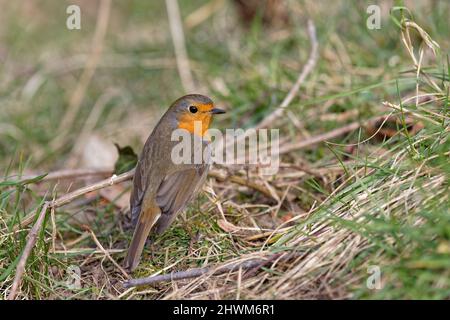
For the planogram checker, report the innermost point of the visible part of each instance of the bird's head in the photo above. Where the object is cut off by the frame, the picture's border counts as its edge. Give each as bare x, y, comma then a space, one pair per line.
194, 108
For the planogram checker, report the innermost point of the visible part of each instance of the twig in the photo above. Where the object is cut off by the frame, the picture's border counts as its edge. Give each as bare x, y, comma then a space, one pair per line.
308, 67
326, 136
32, 238
79, 192
176, 30
68, 174
106, 253
76, 173
319, 138
197, 272
264, 263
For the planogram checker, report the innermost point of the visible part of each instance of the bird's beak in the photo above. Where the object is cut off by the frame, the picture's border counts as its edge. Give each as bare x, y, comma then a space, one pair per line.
217, 111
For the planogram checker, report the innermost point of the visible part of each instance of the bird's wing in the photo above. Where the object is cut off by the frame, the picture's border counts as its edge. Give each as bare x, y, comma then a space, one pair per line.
176, 191
140, 185
172, 191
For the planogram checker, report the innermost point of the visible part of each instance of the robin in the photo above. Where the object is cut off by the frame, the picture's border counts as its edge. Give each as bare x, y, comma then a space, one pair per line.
163, 188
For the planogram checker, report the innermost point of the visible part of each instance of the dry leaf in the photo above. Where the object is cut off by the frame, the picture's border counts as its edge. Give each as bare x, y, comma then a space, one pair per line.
116, 194
98, 153
388, 127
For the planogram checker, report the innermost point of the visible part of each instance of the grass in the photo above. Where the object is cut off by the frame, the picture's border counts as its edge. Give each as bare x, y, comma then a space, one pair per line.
372, 200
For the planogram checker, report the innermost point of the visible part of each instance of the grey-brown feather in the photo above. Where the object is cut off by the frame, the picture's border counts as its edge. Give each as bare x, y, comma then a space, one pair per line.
176, 192
148, 170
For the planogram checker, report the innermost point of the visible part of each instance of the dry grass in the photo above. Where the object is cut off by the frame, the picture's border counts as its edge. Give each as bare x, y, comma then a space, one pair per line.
351, 192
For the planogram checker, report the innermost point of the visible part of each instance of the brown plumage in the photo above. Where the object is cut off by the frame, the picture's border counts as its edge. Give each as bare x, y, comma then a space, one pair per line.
162, 188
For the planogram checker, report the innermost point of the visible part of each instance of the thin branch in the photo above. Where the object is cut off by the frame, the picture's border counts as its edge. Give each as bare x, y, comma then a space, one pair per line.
65, 199
198, 272
307, 68
68, 174
106, 253
176, 30
32, 238
326, 136
319, 138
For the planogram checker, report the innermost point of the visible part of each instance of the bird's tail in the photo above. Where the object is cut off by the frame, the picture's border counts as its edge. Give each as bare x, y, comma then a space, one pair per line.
140, 235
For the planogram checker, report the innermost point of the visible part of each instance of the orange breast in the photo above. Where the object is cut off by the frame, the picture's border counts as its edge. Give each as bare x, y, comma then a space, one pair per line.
196, 125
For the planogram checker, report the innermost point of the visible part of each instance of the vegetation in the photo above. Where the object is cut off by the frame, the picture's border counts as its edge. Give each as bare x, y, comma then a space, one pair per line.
371, 198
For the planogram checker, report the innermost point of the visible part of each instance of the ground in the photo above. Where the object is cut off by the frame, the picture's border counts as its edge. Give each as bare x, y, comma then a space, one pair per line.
358, 209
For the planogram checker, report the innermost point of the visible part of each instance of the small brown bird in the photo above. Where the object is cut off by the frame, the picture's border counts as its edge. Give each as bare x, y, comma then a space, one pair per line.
163, 188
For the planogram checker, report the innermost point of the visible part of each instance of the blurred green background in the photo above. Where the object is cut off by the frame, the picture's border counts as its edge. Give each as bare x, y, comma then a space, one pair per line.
66, 96
245, 65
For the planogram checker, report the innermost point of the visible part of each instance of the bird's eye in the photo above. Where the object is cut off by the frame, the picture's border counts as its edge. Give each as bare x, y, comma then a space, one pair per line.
193, 109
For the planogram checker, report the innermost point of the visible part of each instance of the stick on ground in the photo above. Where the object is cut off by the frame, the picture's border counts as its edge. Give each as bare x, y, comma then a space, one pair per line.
308, 67
306, 70
327, 135
65, 199
197, 272
106, 253
32, 238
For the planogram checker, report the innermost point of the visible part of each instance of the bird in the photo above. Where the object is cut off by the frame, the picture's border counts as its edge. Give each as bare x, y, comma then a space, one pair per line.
162, 188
